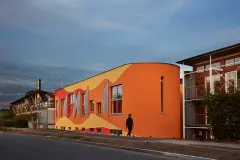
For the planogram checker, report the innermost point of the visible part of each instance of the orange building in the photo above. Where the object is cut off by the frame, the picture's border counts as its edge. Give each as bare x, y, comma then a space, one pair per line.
101, 104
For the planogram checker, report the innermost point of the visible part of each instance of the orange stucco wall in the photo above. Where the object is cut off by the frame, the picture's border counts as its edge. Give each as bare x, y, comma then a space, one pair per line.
141, 97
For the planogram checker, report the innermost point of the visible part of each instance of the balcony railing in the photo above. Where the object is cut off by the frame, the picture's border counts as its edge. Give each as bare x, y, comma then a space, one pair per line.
198, 121
201, 120
197, 92
33, 108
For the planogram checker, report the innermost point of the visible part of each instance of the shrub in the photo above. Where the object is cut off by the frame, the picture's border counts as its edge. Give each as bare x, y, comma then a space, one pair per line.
223, 111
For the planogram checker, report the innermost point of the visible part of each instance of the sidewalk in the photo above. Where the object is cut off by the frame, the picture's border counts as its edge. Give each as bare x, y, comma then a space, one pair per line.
200, 143
219, 145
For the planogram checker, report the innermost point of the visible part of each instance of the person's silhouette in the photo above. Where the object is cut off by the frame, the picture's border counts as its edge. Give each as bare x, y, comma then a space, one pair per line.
129, 124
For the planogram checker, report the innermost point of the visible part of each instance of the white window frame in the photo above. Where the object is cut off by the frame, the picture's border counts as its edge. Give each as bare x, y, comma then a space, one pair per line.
116, 99
92, 109
214, 65
227, 80
200, 69
237, 61
214, 77
229, 62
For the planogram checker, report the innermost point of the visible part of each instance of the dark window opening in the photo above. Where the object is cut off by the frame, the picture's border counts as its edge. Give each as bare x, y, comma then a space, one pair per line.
162, 96
99, 130
99, 108
91, 130
92, 106
116, 132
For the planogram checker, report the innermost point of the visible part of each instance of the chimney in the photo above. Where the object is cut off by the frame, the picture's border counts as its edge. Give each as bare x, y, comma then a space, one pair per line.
38, 84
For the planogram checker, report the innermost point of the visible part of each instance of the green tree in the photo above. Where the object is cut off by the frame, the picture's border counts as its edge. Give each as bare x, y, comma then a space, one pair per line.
6, 114
223, 111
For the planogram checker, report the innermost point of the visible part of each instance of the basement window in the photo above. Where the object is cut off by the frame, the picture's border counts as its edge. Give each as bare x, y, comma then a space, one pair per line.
91, 130
83, 129
116, 132
99, 130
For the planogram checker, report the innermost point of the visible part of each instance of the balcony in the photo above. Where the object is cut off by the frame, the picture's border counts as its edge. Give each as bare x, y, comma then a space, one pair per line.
196, 120
197, 92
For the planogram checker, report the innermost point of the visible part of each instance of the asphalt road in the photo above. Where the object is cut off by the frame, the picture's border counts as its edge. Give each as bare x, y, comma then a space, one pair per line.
23, 147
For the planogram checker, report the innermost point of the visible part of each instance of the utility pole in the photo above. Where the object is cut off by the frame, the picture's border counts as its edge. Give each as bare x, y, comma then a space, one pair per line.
37, 109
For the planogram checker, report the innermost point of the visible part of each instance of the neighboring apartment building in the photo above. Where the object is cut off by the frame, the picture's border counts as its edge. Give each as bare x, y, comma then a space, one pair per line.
101, 104
215, 71
37, 101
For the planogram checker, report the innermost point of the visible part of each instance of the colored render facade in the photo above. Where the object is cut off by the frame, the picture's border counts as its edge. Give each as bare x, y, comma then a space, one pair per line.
216, 71
101, 104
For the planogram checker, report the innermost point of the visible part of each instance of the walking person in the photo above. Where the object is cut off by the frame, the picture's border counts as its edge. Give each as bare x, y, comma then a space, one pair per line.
129, 124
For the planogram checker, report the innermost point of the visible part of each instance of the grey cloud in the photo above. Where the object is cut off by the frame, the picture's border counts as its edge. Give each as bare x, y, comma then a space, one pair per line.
16, 79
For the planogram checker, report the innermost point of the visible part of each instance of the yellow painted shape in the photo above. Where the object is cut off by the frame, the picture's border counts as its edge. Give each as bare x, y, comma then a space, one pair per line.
93, 82
93, 121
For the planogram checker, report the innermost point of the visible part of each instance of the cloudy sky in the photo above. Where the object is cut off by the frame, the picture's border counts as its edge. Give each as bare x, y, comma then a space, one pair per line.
63, 41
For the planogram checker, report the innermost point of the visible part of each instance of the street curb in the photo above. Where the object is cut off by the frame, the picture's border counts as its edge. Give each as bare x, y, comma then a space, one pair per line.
168, 154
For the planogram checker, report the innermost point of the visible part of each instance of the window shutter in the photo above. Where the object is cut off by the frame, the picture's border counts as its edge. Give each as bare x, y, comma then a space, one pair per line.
86, 101
66, 106
105, 98
76, 104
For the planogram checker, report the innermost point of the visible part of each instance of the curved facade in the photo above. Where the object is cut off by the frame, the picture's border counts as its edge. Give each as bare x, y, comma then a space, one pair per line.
149, 91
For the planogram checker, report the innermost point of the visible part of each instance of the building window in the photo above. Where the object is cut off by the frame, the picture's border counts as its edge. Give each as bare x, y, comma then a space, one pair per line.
62, 103
76, 128
99, 130
71, 97
216, 84
91, 130
162, 96
200, 69
57, 109
115, 132
99, 108
214, 65
237, 60
83, 129
238, 80
56, 103
229, 62
208, 85
231, 81
116, 99
92, 105
83, 110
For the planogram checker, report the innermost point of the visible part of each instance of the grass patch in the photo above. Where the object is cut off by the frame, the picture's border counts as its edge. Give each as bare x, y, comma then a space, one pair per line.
5, 129
74, 137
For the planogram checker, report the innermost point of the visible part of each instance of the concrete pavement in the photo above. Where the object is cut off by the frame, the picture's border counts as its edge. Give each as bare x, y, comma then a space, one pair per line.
24, 147
227, 146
